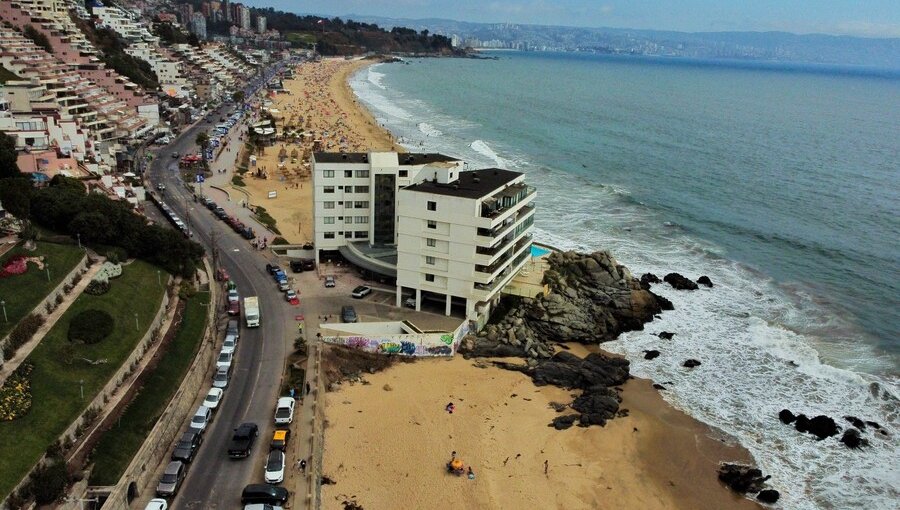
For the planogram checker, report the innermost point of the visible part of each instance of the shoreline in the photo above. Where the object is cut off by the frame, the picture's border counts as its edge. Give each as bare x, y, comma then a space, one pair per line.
657, 457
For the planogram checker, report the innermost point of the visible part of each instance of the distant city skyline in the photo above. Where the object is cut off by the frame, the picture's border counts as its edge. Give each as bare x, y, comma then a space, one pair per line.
873, 18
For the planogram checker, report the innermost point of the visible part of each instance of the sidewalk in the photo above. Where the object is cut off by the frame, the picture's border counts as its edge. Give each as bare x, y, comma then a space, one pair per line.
10, 365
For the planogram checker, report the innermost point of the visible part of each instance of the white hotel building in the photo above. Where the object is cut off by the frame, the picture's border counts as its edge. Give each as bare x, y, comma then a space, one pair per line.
445, 234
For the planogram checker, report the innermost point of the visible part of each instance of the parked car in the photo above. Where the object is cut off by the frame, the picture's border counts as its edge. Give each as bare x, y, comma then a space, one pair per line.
212, 206
264, 493
224, 360
222, 275
242, 440
234, 308
175, 154
230, 344
171, 479
410, 302
361, 292
161, 187
279, 275
283, 285
220, 213
329, 281
187, 446
247, 233
348, 314
220, 380
284, 411
201, 419
157, 504
233, 328
275, 467
279, 439
271, 268
296, 266
291, 297
213, 397
233, 296
308, 264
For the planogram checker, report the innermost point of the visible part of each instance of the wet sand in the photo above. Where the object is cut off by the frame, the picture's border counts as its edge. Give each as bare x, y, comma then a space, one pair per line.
389, 448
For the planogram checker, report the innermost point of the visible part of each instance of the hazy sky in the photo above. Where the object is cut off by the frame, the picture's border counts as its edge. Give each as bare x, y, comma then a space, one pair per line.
873, 18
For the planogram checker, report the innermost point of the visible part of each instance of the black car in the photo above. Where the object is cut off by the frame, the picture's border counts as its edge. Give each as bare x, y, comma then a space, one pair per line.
247, 233
212, 206
242, 440
264, 493
220, 213
272, 269
187, 446
297, 266
309, 264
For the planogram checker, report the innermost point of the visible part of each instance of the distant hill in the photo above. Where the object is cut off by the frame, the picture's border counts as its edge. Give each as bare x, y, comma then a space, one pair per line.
775, 46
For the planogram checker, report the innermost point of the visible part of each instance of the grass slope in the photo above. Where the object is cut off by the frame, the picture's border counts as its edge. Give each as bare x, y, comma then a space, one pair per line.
119, 444
59, 367
23, 292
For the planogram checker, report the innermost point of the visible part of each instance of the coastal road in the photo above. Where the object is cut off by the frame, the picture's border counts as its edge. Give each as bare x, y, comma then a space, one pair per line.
214, 481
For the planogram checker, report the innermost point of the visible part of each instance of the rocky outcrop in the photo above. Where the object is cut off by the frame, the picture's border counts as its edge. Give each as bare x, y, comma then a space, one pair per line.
705, 281
679, 282
742, 479
853, 439
786, 416
592, 299
691, 363
647, 279
665, 335
768, 496
820, 426
651, 354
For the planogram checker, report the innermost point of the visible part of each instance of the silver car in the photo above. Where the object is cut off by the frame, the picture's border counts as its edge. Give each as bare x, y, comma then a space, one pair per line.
171, 479
220, 380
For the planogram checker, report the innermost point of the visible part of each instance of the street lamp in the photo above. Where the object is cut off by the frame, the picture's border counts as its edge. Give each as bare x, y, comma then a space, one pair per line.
158, 278
47, 267
136, 327
81, 382
3, 304
79, 240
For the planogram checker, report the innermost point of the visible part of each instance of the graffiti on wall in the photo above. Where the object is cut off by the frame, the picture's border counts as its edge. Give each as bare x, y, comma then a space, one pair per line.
416, 345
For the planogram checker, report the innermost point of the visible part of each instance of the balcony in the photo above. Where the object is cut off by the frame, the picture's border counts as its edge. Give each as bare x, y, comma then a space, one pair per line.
502, 229
505, 200
483, 291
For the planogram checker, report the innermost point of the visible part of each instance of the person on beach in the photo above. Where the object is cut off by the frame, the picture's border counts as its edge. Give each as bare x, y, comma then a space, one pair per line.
450, 407
471, 474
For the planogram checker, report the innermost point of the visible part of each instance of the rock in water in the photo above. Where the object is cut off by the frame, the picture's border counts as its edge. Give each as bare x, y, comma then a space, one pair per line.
853, 439
768, 496
820, 426
691, 363
659, 386
679, 282
651, 354
856, 422
786, 416
705, 281
742, 479
647, 279
665, 335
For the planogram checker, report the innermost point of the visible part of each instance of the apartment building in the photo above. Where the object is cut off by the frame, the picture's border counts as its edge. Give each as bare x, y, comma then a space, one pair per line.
444, 233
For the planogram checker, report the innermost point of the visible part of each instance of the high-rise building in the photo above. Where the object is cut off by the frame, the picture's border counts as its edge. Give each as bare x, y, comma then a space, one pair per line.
186, 14
198, 25
261, 24
245, 17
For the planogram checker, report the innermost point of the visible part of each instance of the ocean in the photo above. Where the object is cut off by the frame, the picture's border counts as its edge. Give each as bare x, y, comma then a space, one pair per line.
779, 182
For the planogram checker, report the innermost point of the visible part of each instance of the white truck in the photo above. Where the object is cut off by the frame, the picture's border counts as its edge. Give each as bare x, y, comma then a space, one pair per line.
251, 311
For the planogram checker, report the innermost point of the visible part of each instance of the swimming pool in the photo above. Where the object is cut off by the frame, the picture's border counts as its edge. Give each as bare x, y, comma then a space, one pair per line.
537, 251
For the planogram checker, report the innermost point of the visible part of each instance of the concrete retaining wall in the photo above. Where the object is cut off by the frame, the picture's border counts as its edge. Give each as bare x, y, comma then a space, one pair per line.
412, 344
157, 446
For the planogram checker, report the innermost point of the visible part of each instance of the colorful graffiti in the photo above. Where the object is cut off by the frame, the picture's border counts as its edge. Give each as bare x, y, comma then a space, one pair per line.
447, 339
439, 350
433, 344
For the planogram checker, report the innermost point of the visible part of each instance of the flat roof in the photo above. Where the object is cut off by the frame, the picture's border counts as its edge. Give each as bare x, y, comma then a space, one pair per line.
471, 183
405, 158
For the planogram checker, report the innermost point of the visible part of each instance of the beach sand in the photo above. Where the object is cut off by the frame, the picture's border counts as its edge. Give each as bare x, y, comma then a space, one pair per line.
387, 449
322, 104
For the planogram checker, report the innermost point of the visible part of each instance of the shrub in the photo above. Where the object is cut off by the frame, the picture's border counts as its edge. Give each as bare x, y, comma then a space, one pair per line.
237, 181
59, 299
67, 288
279, 240
90, 326
76, 279
49, 307
97, 288
48, 481
23, 332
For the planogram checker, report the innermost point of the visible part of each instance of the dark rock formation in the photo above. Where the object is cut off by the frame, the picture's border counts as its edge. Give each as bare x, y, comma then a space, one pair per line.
567, 370
651, 354
664, 303
563, 422
659, 386
592, 299
647, 279
596, 406
768, 496
853, 439
691, 363
856, 422
705, 281
873, 424
665, 335
786, 416
679, 282
742, 479
820, 426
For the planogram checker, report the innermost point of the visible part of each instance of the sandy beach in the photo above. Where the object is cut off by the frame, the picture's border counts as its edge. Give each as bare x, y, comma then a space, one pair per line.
387, 443
320, 103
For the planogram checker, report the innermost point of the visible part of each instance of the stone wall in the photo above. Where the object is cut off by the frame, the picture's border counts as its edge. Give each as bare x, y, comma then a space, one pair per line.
157, 446
41, 308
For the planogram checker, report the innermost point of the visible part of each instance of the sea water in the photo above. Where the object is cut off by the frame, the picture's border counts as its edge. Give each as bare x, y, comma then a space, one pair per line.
780, 183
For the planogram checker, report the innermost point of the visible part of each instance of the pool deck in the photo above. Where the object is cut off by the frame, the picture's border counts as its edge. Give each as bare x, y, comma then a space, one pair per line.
527, 282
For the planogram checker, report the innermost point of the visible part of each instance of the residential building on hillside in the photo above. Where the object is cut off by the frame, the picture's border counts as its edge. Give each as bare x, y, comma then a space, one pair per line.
261, 24
439, 231
198, 25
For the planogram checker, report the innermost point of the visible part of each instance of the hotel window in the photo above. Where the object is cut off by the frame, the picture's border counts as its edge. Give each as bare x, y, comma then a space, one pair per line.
432, 206
349, 205
429, 261
361, 189
432, 224
348, 235
430, 242
362, 219
362, 205
361, 234
348, 219
328, 235
429, 277
328, 173
404, 173
329, 189
348, 173
362, 173
328, 205
329, 220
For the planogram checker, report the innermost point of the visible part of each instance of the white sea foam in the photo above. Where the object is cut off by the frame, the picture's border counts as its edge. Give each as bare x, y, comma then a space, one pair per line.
375, 78
429, 130
485, 150
752, 364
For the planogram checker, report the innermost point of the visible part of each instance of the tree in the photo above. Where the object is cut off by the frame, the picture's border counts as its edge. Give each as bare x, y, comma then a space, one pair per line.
38, 38
15, 194
238, 96
8, 157
202, 141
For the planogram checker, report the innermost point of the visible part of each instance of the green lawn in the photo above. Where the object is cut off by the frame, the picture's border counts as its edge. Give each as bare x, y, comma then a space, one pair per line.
59, 367
119, 444
23, 292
